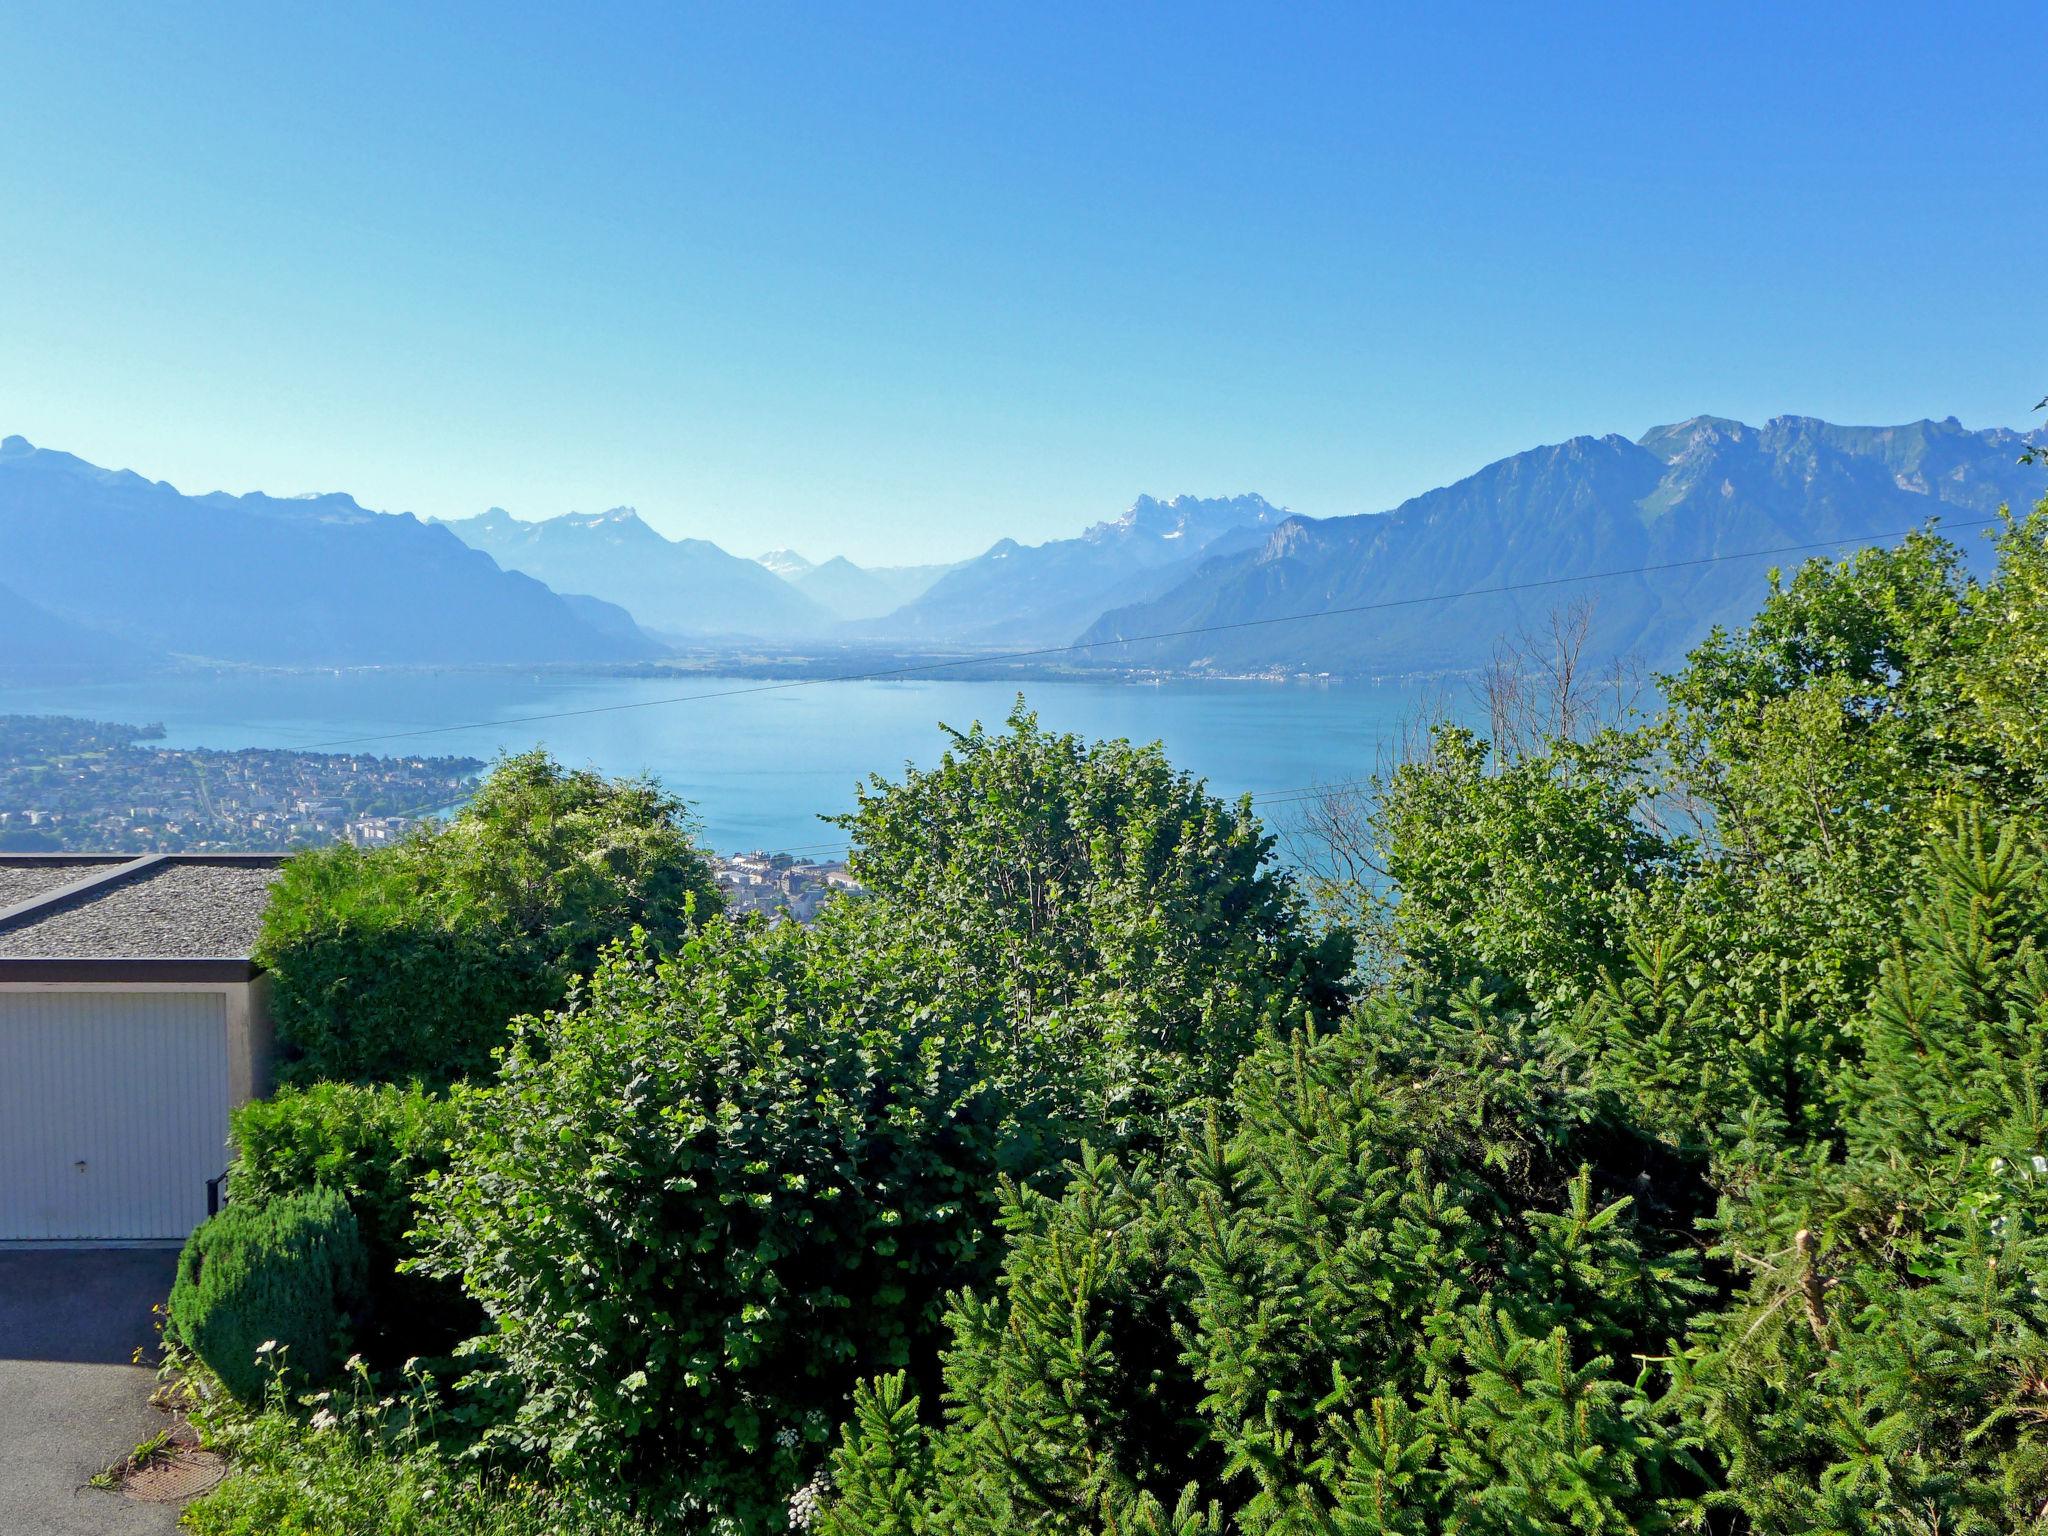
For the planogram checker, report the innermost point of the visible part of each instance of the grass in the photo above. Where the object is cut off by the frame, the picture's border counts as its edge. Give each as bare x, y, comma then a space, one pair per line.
157, 1447
362, 1461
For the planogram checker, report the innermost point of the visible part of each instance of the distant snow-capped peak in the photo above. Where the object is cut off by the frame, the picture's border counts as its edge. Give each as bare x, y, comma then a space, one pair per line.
784, 562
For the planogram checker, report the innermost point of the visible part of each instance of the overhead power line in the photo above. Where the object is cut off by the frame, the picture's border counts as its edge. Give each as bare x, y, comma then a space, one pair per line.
952, 663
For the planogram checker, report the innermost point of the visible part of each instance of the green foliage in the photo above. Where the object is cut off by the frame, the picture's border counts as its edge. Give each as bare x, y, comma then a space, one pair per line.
375, 1145
1102, 903
367, 1465
408, 962
1516, 871
1886, 1367
1397, 1296
705, 1196
720, 1186
270, 1278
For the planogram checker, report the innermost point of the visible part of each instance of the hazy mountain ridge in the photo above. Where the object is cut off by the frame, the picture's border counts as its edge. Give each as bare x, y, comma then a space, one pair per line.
848, 591
1695, 489
33, 638
104, 568
310, 580
1018, 594
683, 587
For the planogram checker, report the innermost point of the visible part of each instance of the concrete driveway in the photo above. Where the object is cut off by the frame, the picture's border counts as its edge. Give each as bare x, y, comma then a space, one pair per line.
70, 1401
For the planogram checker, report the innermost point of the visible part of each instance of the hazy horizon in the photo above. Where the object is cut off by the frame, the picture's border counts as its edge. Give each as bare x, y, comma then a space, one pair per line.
766, 544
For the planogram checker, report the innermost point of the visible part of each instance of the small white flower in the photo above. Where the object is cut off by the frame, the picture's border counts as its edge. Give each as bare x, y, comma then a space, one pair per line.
2040, 1163
268, 1346
805, 1502
324, 1420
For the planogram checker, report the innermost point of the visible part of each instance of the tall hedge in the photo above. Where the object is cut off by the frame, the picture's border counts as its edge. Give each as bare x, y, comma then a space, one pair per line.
408, 962
288, 1273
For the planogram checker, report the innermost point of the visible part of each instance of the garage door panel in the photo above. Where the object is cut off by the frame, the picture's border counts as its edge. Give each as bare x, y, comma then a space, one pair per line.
113, 1112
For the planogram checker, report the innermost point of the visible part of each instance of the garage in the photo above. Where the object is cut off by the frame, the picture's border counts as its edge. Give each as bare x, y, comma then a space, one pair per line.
131, 1024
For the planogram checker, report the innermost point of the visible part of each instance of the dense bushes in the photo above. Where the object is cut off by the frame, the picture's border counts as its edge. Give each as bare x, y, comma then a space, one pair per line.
1412, 1291
374, 1145
283, 1277
703, 1199
1886, 1366
408, 962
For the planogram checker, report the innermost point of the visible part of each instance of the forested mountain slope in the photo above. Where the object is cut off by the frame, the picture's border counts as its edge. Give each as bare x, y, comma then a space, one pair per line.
1702, 488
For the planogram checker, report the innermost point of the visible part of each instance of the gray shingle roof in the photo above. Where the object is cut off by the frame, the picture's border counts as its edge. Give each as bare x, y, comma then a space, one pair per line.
199, 906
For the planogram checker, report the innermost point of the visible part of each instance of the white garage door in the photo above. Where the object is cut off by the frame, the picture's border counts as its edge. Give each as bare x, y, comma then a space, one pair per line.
113, 1112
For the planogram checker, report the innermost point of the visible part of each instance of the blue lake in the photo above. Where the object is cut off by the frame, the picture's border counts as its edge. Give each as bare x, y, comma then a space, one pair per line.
760, 766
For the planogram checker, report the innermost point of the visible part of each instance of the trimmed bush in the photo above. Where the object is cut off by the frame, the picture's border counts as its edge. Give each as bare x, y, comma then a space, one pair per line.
375, 1145
289, 1271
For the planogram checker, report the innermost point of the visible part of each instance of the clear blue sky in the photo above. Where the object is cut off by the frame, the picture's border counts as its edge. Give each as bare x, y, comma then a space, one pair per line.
897, 280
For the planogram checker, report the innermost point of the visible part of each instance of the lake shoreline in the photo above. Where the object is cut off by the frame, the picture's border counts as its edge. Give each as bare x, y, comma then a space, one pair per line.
806, 666
760, 758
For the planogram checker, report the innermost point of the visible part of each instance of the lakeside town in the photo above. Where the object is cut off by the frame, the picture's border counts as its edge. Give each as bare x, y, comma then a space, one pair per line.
776, 885
70, 785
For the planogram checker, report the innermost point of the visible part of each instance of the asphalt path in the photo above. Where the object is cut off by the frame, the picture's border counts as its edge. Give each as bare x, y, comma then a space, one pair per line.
71, 1400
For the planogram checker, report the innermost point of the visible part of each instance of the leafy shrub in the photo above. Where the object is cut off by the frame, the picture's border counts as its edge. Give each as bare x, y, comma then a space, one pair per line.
375, 1145
408, 962
1102, 902
700, 1201
286, 1272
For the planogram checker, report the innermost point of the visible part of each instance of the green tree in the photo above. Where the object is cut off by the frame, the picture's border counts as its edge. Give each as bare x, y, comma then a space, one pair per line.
1886, 1366
1399, 1296
2004, 678
1516, 870
409, 962
1111, 911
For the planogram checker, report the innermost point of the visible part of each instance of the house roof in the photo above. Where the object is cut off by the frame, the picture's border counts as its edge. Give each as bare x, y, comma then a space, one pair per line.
113, 917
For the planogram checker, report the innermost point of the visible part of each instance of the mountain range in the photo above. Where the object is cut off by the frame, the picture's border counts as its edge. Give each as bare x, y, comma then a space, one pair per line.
103, 569
688, 588
104, 565
1043, 594
849, 591
1677, 498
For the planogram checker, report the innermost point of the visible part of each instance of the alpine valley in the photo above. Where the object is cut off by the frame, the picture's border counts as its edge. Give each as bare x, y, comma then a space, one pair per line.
1667, 534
